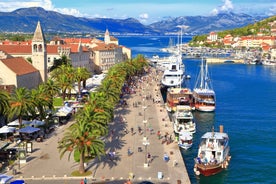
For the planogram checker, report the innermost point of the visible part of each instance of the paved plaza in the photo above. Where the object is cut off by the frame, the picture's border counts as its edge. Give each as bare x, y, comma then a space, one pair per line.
146, 116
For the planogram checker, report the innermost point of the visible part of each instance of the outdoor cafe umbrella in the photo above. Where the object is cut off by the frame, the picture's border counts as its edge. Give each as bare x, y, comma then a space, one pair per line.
36, 123
6, 129
16, 122
28, 130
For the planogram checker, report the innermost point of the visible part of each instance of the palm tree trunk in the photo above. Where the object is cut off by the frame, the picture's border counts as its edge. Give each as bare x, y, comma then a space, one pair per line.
81, 166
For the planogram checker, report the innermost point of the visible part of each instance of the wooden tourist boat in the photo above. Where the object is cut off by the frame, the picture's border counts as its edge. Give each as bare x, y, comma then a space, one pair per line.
203, 93
213, 153
178, 96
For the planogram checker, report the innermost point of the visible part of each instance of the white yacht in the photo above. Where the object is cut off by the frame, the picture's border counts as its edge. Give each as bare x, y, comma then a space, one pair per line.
183, 120
173, 76
185, 140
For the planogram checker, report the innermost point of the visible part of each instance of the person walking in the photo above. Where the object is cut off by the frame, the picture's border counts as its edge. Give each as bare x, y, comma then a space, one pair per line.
85, 181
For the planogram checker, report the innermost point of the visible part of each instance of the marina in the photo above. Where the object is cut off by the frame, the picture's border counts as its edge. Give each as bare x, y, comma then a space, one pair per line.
237, 112
238, 109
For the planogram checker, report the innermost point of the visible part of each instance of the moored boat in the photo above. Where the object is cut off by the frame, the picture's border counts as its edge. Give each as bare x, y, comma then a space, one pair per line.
213, 153
203, 93
185, 140
183, 120
173, 76
178, 96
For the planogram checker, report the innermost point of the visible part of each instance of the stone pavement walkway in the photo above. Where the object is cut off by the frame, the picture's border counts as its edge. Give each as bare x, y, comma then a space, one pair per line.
141, 111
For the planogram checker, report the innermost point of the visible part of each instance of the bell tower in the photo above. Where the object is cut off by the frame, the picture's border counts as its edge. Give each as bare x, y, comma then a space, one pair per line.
39, 52
107, 37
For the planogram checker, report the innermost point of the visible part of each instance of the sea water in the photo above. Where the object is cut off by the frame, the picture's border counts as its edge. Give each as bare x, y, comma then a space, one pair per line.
245, 106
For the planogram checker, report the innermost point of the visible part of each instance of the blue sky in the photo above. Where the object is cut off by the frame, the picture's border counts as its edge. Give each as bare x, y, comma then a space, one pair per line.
146, 11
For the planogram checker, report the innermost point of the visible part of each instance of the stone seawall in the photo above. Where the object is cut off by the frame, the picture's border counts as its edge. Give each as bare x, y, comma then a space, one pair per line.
224, 60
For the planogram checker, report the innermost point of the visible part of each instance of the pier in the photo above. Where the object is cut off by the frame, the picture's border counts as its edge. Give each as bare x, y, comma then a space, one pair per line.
224, 60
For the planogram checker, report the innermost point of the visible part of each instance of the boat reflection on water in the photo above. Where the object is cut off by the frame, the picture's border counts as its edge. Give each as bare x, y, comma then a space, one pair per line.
204, 117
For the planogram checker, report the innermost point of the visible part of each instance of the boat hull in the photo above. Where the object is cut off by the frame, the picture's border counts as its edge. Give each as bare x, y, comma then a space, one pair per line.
208, 170
205, 108
185, 146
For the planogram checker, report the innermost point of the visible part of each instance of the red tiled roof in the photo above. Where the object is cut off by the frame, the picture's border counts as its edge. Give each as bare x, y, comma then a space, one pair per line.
77, 40
52, 49
104, 46
19, 65
12, 49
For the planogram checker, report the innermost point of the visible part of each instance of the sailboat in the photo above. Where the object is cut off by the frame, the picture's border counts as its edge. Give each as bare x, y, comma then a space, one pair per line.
203, 93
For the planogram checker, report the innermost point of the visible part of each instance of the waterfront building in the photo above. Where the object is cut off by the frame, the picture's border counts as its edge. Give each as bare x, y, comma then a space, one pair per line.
103, 53
213, 36
16, 70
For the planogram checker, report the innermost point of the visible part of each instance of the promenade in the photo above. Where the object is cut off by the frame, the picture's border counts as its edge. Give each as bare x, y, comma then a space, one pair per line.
45, 166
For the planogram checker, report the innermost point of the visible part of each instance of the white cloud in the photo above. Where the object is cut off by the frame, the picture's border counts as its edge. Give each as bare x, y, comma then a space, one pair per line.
227, 6
67, 11
272, 10
11, 5
144, 16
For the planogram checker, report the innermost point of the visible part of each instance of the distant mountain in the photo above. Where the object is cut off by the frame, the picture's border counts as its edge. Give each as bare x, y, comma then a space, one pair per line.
205, 24
25, 20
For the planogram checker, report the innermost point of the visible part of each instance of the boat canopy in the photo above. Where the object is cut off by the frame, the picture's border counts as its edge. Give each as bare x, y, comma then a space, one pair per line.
214, 135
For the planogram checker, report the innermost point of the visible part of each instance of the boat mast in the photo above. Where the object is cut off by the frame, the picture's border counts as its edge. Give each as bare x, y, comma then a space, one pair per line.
206, 75
202, 75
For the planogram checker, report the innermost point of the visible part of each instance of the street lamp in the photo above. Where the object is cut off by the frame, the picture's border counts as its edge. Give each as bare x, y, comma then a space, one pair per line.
145, 139
146, 143
144, 117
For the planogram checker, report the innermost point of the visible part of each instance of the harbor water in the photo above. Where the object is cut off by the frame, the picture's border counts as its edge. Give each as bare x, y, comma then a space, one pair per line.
245, 106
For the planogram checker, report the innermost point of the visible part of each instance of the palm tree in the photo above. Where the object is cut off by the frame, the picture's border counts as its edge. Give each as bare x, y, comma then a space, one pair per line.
20, 104
100, 110
41, 100
4, 102
64, 78
112, 92
81, 74
81, 138
52, 89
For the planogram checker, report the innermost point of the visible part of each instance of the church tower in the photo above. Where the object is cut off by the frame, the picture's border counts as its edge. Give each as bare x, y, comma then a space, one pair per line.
39, 52
106, 37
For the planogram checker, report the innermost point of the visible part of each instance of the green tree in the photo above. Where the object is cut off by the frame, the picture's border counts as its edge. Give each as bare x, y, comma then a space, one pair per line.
4, 102
81, 74
52, 89
81, 138
63, 76
20, 104
41, 100
61, 61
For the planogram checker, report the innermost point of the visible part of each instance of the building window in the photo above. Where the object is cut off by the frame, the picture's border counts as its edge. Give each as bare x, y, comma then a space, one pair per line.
35, 48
